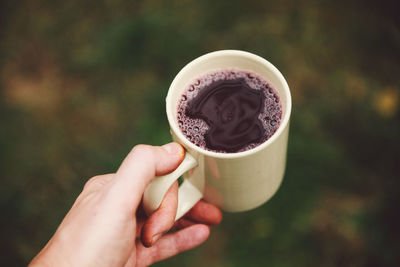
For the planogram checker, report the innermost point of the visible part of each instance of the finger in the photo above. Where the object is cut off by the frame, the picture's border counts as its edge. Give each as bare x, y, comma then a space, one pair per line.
141, 217
183, 223
204, 212
141, 165
162, 220
172, 244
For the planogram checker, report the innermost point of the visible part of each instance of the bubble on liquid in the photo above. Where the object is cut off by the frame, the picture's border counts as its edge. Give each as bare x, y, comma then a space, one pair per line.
196, 129
180, 123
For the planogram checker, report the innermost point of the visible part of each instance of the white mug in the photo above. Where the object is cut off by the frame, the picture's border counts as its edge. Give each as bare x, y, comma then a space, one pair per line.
233, 181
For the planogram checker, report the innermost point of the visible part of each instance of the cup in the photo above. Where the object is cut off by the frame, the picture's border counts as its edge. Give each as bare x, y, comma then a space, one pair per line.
233, 181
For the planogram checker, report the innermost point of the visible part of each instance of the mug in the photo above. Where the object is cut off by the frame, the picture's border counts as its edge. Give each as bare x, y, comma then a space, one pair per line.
232, 181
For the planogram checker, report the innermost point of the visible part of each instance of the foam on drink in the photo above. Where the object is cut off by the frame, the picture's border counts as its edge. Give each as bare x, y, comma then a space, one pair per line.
229, 111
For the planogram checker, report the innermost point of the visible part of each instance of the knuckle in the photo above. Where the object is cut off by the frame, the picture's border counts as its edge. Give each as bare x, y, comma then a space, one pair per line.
142, 150
89, 183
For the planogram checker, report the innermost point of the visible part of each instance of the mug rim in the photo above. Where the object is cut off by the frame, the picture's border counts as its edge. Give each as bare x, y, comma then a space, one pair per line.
234, 155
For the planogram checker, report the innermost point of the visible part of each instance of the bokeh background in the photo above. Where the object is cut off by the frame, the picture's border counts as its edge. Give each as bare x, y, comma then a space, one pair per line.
82, 82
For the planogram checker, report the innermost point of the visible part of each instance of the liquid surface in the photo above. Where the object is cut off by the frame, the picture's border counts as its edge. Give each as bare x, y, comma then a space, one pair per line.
229, 111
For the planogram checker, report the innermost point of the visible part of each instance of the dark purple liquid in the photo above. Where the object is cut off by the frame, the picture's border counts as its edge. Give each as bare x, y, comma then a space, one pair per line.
229, 111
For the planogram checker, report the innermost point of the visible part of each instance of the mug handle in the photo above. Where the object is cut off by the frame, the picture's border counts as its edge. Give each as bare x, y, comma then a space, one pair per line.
188, 194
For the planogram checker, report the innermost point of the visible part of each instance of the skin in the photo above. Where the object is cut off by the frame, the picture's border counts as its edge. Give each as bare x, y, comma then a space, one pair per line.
106, 225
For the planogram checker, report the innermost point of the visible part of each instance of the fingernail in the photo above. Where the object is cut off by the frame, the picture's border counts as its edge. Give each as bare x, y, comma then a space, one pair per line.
155, 238
173, 148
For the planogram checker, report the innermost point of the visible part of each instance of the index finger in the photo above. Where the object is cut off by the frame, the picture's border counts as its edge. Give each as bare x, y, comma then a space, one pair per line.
162, 220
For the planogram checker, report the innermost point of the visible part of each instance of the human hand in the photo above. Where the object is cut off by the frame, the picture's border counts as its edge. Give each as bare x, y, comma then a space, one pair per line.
106, 225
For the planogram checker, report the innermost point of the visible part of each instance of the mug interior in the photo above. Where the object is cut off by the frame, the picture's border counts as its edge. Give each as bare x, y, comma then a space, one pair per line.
226, 59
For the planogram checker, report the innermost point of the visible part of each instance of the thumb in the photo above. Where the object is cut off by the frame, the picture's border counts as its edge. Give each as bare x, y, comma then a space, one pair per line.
141, 165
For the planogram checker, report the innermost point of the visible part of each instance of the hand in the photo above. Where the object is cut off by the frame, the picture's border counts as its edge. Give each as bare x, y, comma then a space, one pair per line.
106, 225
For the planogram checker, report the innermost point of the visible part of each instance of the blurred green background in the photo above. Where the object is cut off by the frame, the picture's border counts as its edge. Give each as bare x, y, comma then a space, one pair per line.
82, 82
